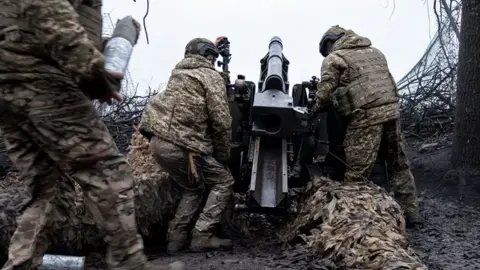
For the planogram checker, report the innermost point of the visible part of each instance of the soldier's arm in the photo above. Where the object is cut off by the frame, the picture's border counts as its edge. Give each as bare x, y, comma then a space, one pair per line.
332, 69
219, 114
56, 25
225, 76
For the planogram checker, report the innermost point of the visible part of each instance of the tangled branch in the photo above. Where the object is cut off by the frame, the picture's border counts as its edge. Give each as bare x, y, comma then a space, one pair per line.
428, 90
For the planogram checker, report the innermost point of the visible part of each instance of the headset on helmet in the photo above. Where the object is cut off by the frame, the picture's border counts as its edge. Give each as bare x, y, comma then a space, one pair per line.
201, 46
332, 35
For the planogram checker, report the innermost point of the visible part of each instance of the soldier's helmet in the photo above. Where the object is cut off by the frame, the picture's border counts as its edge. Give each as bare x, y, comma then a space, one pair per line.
332, 35
201, 46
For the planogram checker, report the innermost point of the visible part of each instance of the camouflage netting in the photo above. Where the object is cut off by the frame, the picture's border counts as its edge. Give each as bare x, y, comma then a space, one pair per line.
357, 226
154, 200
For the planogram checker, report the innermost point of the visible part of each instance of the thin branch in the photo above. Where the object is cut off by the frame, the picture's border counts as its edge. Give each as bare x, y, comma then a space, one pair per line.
452, 20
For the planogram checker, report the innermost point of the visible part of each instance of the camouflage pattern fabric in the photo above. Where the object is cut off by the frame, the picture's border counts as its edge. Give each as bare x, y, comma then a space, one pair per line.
354, 63
193, 110
50, 127
339, 69
66, 51
214, 175
361, 149
90, 17
225, 76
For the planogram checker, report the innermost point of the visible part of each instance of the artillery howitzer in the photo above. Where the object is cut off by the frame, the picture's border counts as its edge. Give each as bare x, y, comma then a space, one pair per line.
275, 145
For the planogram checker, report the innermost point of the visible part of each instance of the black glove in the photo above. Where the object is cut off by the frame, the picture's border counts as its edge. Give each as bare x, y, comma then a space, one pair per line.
225, 76
103, 85
114, 84
221, 158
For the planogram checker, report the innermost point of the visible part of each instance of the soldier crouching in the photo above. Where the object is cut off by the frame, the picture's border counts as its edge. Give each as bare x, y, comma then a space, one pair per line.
190, 129
355, 79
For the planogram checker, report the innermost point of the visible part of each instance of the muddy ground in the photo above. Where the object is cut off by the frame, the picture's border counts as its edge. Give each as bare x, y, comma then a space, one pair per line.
447, 239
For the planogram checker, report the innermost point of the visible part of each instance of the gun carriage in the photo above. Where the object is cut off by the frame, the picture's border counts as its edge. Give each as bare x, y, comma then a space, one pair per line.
275, 145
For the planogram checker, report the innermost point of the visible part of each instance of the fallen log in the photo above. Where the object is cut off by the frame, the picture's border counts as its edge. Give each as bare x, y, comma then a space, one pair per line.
357, 226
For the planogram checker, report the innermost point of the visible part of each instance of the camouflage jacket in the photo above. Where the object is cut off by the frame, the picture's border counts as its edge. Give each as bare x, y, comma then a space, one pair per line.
193, 111
51, 42
335, 72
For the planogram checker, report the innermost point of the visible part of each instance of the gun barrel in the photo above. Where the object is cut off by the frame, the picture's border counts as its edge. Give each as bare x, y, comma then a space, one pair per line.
274, 79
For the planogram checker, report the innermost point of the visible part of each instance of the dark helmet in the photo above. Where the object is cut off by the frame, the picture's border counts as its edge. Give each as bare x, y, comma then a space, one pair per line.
332, 35
201, 46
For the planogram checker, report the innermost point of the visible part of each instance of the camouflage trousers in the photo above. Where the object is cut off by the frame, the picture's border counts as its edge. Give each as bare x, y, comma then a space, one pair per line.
213, 175
361, 150
51, 129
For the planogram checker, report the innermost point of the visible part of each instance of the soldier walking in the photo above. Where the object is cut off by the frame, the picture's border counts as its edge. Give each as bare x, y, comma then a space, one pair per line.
48, 67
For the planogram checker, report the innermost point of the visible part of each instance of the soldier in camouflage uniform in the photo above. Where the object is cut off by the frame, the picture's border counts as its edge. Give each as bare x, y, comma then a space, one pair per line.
48, 66
190, 129
355, 79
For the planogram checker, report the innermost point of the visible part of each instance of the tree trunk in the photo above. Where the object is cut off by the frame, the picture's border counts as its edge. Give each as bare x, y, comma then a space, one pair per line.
466, 141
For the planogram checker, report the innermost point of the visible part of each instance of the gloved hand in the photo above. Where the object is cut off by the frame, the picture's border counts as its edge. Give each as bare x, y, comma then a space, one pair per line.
113, 91
104, 87
314, 111
219, 40
225, 76
222, 157
104, 42
313, 118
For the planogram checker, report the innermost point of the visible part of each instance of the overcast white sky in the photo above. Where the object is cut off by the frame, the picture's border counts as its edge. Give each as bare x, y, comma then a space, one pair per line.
250, 24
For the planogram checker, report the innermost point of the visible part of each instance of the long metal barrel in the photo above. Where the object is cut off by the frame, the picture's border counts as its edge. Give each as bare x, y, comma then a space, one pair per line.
274, 78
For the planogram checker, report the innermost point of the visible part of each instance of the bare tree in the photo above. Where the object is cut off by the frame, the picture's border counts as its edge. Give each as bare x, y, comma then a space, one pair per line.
466, 143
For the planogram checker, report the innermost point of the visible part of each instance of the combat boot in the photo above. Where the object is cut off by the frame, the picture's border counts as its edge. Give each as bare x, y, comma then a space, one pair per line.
178, 265
412, 219
409, 204
177, 241
206, 241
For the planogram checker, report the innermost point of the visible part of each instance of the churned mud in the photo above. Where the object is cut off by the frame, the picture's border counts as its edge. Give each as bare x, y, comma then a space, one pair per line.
450, 234
447, 239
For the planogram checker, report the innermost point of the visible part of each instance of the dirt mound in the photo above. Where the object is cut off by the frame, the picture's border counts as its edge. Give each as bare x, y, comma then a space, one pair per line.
155, 196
